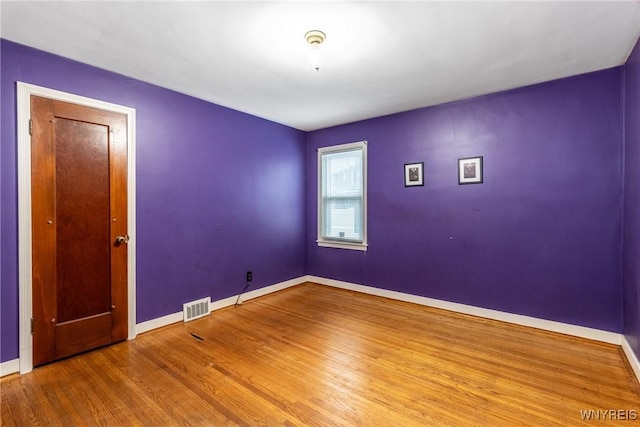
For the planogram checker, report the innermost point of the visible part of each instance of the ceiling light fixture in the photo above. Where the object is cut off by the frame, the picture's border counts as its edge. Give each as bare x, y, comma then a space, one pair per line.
315, 39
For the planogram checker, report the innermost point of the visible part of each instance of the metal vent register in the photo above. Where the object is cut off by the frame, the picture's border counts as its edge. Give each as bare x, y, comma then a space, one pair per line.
196, 309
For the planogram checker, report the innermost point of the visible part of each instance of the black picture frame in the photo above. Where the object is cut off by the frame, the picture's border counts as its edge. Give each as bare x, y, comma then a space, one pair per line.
470, 170
414, 174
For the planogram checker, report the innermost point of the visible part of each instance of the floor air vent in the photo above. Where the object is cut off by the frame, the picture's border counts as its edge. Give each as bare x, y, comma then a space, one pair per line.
196, 309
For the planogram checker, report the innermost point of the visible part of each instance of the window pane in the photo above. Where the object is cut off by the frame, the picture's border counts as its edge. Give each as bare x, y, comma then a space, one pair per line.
343, 174
343, 219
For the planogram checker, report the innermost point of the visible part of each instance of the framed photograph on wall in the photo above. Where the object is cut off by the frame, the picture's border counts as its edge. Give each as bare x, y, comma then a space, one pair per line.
413, 174
470, 170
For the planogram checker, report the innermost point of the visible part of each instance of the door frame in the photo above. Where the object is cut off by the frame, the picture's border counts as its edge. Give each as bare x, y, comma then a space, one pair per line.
24, 92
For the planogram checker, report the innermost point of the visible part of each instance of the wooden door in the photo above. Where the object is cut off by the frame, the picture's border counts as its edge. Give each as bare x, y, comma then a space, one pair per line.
79, 228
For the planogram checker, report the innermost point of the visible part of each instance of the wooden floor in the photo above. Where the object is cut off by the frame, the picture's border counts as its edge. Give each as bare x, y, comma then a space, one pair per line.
319, 356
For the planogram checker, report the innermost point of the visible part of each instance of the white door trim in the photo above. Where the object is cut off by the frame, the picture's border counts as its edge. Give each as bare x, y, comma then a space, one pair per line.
24, 92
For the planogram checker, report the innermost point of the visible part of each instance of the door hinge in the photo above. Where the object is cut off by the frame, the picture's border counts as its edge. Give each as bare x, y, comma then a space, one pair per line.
30, 127
33, 325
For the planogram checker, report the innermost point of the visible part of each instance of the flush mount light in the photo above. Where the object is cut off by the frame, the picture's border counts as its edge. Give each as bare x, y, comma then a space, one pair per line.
315, 39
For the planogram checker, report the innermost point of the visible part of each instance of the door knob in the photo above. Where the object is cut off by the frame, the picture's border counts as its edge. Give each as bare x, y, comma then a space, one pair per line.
122, 239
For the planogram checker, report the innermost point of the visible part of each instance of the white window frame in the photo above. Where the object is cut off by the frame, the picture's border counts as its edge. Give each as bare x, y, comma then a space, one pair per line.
331, 243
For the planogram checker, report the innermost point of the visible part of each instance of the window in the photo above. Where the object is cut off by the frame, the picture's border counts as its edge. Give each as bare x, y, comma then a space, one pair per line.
342, 196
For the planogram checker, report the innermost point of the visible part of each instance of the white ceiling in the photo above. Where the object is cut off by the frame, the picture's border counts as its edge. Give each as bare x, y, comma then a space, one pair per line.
379, 57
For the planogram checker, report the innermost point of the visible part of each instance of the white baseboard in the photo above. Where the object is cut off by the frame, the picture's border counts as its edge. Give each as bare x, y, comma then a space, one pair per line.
631, 357
547, 325
273, 288
217, 305
158, 322
9, 367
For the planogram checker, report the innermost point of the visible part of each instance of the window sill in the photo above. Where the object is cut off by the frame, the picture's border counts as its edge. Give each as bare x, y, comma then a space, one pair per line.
342, 245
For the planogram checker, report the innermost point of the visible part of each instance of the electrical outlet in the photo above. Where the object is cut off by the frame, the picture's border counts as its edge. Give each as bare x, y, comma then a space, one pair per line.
249, 276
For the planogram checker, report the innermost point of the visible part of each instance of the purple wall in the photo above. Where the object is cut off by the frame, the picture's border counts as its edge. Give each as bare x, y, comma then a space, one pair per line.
542, 235
219, 192
632, 202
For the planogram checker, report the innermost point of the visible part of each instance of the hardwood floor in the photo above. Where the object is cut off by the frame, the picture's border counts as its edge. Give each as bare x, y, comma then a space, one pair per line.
319, 356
